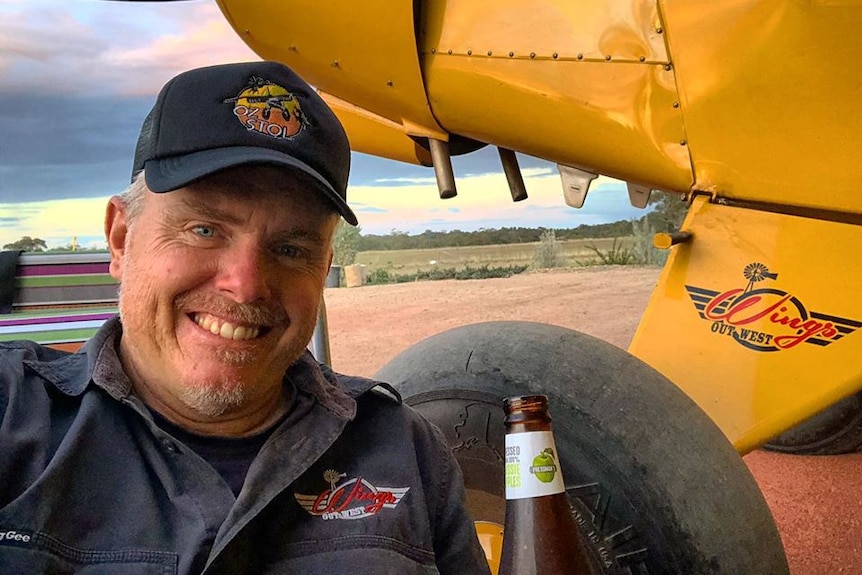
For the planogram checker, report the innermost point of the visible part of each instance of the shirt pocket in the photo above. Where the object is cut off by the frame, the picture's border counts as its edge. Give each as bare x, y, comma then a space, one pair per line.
25, 553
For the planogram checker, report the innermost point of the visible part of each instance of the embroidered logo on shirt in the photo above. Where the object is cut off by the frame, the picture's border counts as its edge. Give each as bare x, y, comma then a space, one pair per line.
355, 498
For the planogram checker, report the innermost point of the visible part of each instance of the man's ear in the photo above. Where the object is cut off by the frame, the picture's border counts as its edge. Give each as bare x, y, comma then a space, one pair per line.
116, 232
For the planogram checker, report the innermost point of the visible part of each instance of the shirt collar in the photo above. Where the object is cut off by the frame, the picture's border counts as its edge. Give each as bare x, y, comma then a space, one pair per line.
106, 371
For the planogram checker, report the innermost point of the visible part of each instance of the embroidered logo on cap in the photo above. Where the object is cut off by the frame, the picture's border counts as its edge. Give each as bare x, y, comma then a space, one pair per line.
269, 109
355, 498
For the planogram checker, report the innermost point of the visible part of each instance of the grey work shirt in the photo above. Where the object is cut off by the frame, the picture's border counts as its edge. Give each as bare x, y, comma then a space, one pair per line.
351, 482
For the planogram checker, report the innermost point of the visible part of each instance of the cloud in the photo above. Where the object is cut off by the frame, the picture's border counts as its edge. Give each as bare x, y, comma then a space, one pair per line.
369, 210
205, 39
123, 48
406, 181
78, 82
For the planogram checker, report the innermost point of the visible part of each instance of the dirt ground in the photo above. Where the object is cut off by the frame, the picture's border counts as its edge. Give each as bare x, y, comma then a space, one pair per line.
814, 499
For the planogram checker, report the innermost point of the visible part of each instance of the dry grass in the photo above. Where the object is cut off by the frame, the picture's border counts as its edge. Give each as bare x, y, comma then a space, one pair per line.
575, 253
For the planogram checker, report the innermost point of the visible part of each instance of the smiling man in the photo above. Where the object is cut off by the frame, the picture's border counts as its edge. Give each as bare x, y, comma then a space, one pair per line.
194, 433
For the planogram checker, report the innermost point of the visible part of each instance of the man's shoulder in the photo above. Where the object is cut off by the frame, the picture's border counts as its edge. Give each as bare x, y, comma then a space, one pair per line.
380, 405
358, 387
30, 350
22, 361
24, 352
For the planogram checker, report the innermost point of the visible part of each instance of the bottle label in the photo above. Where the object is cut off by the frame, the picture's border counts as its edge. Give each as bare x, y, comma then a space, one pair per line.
532, 467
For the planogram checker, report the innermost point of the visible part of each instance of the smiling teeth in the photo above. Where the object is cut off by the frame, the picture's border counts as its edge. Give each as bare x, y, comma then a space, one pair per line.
226, 329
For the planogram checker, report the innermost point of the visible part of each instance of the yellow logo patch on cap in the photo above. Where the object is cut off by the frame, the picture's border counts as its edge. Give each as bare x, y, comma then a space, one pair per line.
269, 109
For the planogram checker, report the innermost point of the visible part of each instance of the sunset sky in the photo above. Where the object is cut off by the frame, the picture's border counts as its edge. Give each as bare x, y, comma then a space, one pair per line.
77, 78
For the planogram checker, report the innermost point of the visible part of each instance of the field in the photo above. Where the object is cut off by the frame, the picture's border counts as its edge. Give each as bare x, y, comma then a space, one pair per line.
575, 252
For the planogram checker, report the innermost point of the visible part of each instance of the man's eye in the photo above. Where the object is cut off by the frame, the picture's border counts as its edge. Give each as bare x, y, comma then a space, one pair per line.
204, 231
288, 251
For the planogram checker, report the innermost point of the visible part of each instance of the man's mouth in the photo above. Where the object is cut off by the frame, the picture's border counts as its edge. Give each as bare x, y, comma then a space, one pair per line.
226, 329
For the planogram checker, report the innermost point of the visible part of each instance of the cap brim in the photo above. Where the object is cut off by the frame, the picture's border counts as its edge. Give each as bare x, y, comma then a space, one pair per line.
169, 174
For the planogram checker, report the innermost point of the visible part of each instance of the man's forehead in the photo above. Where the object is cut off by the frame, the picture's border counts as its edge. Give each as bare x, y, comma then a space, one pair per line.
257, 184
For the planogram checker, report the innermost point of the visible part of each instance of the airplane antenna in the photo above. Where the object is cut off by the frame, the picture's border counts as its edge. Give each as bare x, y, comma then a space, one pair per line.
513, 174
442, 161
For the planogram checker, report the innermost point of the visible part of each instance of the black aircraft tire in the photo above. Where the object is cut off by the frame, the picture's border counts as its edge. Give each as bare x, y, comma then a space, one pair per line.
835, 430
654, 484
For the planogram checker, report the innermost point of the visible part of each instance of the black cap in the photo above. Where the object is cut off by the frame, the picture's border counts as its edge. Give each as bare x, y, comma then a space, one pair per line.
209, 119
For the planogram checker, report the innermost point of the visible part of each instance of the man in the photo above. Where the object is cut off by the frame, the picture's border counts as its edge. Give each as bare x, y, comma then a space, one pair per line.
195, 434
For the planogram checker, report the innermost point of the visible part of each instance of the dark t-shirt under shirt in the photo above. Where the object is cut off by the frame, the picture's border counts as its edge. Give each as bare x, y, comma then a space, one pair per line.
230, 456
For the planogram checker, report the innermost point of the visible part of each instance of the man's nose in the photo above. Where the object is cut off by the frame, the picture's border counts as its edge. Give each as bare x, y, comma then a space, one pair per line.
244, 274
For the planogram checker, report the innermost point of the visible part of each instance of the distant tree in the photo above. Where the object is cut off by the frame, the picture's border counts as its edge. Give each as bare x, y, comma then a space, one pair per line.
346, 243
670, 210
27, 244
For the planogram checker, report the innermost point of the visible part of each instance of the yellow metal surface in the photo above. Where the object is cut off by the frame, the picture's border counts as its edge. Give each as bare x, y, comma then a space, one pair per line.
746, 99
770, 93
361, 52
579, 83
758, 318
491, 537
375, 134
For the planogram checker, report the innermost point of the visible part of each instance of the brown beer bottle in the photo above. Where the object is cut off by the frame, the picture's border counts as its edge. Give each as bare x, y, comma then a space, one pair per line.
540, 536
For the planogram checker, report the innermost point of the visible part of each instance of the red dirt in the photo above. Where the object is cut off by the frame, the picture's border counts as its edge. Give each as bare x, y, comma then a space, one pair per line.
813, 499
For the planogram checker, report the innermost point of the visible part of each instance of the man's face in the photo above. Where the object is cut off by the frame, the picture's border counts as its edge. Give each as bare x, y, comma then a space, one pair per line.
220, 287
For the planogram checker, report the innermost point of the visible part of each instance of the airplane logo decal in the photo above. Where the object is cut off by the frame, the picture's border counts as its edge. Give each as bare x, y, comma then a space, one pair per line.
766, 318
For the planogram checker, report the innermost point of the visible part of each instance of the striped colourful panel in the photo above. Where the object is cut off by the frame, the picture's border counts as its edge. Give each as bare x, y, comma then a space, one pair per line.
64, 279
54, 326
56, 296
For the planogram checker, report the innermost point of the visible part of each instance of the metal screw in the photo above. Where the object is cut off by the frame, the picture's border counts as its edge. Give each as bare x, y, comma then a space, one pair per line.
682, 142
388, 82
555, 55
642, 58
433, 50
608, 57
659, 30
580, 56
449, 51
489, 52
667, 67
335, 63
469, 52
676, 104
511, 54
532, 54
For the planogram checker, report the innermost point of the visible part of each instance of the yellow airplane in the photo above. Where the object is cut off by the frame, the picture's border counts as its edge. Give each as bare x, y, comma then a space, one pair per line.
746, 108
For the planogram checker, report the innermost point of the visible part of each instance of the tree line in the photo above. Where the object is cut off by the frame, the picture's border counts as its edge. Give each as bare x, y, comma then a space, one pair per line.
398, 240
666, 216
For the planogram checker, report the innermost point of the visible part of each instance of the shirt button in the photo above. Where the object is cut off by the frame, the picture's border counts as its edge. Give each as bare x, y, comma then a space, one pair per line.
170, 446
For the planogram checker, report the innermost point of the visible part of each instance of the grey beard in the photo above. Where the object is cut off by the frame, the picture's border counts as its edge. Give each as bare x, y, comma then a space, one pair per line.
213, 401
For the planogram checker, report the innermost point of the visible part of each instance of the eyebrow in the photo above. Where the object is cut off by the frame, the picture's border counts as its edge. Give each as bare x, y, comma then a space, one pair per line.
213, 213
209, 211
